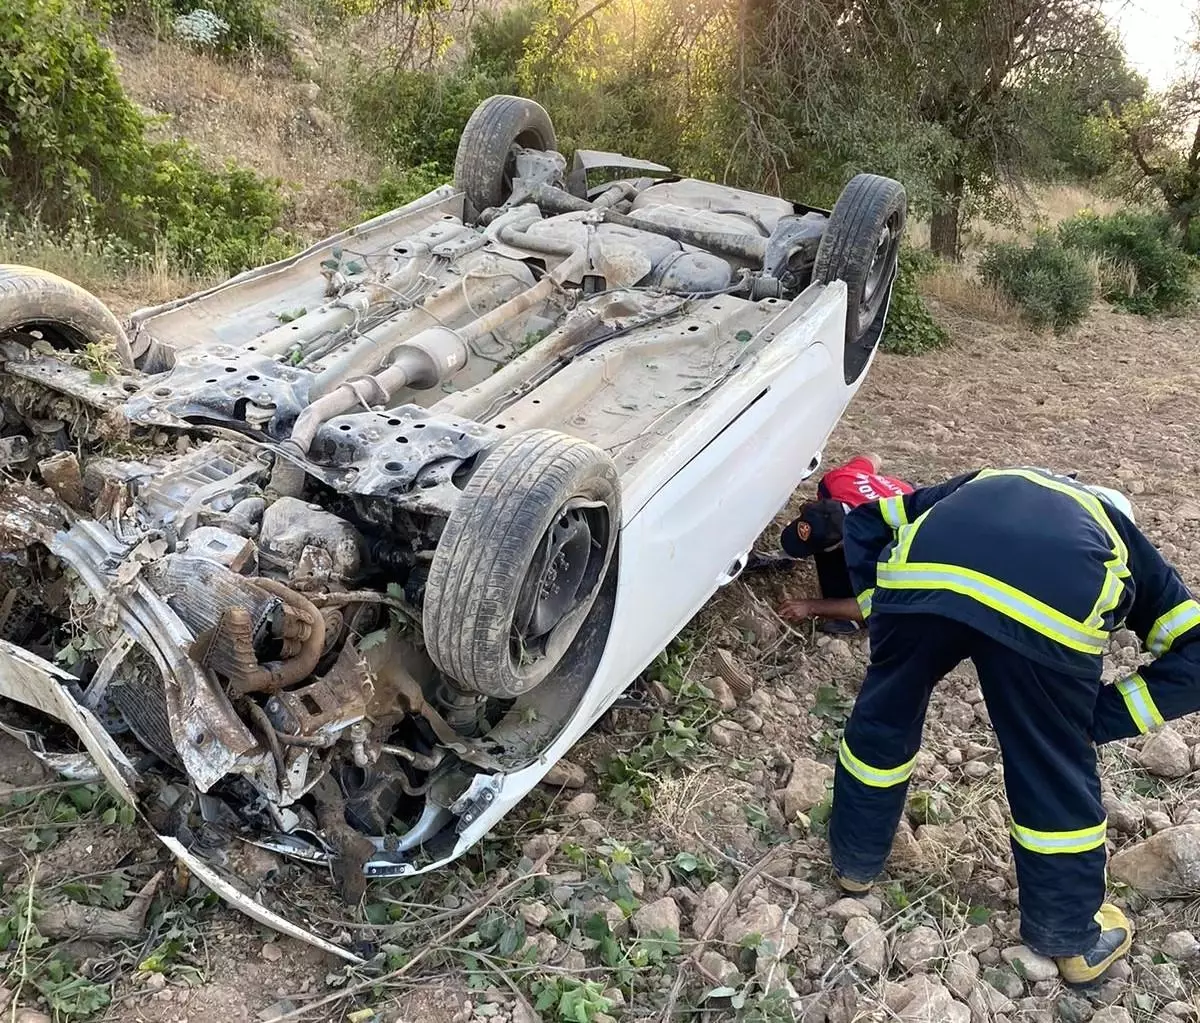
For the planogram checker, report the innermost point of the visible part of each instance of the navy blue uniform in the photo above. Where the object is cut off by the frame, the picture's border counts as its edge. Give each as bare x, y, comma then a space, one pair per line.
1026, 574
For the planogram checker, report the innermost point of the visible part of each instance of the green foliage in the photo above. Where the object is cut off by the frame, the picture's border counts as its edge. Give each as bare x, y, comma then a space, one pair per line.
75, 155
396, 189
911, 328
571, 1000
415, 118
250, 24
1142, 267
1052, 286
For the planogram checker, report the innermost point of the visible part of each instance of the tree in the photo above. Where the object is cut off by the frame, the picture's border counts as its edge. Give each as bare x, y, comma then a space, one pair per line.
1159, 136
955, 91
986, 72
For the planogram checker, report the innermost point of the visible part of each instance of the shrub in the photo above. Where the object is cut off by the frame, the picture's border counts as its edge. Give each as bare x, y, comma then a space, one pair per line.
1051, 285
395, 190
226, 26
1142, 267
911, 328
75, 157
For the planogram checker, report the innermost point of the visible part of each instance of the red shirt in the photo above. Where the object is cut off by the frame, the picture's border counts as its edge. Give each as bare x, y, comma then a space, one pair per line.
857, 483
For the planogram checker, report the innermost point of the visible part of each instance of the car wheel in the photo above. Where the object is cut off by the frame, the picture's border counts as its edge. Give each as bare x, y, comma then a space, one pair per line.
521, 561
861, 246
485, 165
35, 301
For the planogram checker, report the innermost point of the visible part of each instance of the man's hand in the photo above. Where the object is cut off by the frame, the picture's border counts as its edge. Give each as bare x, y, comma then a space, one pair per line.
796, 610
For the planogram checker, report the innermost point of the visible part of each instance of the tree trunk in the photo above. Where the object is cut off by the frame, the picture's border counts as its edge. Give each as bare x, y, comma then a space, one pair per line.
946, 220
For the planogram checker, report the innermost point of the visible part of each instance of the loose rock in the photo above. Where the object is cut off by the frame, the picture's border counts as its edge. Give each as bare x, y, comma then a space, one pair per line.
976, 939
1028, 964
582, 804
565, 774
985, 1002
766, 920
722, 733
867, 944
962, 974
916, 949
1165, 754
959, 714
1004, 981
1164, 866
534, 913
721, 693
1111, 1014
714, 897
1181, 945
847, 909
1123, 816
656, 918
720, 968
1070, 1008
806, 787
922, 998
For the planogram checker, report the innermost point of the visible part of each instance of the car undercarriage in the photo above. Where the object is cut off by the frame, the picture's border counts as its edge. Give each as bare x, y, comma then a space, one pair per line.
322, 549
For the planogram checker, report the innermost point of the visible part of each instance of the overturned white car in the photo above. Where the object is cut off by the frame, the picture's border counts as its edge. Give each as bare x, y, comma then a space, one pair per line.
339, 557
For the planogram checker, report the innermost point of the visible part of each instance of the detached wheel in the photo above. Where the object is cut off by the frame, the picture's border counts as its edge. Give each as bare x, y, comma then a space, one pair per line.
36, 301
861, 246
521, 561
486, 162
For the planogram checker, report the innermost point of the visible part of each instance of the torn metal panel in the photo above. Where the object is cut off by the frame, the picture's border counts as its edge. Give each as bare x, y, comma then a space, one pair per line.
36, 683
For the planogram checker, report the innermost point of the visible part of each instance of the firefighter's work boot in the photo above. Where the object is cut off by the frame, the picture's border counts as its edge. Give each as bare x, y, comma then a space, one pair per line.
1116, 935
852, 887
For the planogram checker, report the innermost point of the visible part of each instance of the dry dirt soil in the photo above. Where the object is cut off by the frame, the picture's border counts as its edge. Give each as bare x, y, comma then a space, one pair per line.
1117, 402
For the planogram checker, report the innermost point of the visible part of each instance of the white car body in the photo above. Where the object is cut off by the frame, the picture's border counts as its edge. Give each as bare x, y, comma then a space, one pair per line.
694, 499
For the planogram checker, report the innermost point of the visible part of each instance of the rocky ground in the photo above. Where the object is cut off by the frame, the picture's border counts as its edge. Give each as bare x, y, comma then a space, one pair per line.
678, 866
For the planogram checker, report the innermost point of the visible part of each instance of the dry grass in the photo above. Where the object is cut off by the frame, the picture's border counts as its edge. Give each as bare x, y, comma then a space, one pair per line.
124, 284
256, 113
957, 290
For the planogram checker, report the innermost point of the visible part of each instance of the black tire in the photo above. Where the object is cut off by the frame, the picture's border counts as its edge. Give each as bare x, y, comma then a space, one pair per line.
485, 596
485, 163
32, 299
861, 246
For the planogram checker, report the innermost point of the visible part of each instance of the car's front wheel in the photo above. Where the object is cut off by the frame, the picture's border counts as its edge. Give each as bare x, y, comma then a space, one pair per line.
521, 561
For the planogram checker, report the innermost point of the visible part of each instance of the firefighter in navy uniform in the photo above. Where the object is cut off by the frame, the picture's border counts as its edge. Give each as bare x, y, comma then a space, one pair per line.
1025, 573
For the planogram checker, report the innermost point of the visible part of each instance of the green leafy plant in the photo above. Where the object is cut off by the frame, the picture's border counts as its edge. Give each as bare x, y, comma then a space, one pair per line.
1052, 286
569, 999
911, 328
1141, 265
76, 156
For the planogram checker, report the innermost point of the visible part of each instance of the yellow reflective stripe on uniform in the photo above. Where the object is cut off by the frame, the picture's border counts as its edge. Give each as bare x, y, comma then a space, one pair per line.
876, 777
1172, 625
1054, 842
893, 512
997, 595
1140, 704
904, 539
864, 601
1110, 597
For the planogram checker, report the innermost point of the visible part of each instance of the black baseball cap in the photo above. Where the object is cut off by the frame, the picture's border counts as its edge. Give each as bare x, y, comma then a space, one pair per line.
817, 528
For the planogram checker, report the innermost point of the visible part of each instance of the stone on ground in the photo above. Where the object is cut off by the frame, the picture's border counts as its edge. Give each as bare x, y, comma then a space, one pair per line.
806, 787
1029, 965
917, 949
867, 945
1166, 754
657, 918
1165, 866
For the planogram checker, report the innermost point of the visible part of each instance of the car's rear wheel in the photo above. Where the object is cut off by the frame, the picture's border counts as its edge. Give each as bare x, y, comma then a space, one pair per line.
486, 163
36, 303
861, 246
521, 561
